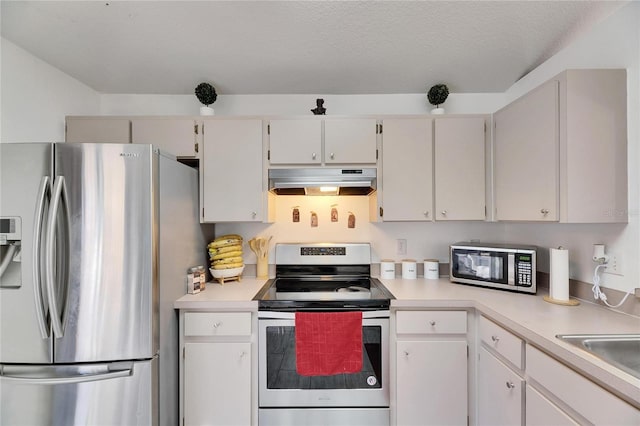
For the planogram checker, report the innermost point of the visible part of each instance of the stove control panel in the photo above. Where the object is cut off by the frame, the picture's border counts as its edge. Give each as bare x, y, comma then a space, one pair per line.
323, 251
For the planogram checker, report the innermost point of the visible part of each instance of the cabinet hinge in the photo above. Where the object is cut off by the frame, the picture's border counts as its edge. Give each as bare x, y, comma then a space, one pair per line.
468, 423
485, 127
196, 147
268, 129
203, 212
381, 211
378, 129
184, 352
467, 351
195, 129
269, 154
381, 129
376, 154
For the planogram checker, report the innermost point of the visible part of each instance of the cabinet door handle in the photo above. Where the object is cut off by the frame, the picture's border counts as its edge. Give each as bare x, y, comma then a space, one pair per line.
243, 354
313, 156
331, 155
510, 385
443, 212
495, 338
406, 353
544, 211
253, 215
217, 324
432, 323
425, 213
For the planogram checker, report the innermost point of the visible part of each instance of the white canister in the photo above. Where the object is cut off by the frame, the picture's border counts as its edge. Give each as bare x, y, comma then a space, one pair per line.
387, 269
409, 269
431, 269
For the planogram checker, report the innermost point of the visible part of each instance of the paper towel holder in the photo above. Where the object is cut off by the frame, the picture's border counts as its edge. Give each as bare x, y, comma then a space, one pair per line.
565, 302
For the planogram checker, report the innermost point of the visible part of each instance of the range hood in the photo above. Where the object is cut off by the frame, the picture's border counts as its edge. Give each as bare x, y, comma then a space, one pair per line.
322, 181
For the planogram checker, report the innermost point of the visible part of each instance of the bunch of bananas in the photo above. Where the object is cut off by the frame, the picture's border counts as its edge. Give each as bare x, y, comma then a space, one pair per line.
225, 252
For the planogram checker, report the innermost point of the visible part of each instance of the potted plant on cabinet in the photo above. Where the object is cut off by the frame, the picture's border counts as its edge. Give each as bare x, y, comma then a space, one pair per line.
437, 95
207, 95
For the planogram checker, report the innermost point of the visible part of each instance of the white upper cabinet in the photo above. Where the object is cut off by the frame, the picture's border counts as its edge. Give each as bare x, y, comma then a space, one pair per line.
176, 136
526, 157
301, 141
407, 169
231, 171
97, 130
350, 141
561, 151
295, 141
459, 164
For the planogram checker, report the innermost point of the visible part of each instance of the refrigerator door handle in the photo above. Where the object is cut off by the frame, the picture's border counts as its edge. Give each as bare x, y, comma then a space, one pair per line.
83, 378
44, 195
59, 193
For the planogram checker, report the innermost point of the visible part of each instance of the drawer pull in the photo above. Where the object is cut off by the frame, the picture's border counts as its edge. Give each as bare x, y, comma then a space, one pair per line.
406, 353
313, 156
495, 338
217, 324
433, 323
510, 385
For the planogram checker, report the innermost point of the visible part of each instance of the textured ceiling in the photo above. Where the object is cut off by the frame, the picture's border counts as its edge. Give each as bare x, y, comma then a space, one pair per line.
297, 47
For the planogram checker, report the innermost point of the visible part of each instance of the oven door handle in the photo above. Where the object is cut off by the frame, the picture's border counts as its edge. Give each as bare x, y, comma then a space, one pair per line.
292, 315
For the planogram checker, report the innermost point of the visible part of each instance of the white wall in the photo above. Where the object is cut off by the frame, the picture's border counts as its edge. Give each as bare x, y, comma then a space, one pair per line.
298, 104
615, 42
36, 97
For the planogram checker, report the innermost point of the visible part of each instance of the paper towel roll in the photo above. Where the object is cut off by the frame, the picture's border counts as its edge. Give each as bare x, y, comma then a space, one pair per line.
559, 274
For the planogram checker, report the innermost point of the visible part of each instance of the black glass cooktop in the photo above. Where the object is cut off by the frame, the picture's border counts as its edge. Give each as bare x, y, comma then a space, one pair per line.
287, 294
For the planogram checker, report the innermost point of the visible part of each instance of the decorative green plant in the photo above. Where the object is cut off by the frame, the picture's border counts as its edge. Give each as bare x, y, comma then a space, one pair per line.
438, 94
206, 93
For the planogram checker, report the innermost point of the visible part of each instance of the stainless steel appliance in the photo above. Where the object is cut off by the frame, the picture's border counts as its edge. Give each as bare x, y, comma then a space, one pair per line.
503, 266
87, 327
322, 277
322, 181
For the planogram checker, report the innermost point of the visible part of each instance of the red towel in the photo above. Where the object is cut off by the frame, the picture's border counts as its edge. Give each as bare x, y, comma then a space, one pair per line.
328, 343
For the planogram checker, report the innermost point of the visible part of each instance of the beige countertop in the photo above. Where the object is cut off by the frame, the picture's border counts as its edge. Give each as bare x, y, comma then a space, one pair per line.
528, 316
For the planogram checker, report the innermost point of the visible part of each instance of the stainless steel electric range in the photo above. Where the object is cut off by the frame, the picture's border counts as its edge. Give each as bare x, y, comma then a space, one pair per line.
332, 278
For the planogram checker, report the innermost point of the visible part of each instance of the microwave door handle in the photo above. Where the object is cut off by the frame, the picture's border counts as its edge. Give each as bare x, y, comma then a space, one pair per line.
49, 256
41, 302
511, 269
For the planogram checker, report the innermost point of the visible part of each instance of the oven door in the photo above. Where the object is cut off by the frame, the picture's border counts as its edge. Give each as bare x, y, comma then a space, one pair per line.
281, 386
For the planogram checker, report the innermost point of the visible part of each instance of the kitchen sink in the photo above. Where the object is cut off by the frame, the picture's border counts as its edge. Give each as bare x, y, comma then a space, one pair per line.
619, 350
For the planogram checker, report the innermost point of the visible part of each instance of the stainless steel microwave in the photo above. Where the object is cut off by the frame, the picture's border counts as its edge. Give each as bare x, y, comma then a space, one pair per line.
503, 266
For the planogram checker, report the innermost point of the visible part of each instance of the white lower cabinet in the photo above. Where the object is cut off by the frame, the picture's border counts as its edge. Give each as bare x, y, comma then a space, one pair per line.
431, 368
542, 412
586, 400
217, 383
500, 392
216, 370
500, 389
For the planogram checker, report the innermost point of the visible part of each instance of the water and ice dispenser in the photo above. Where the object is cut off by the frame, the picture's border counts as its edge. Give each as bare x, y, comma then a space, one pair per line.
10, 252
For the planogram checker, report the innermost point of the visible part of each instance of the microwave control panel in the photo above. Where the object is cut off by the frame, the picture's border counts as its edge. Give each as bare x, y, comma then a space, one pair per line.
524, 270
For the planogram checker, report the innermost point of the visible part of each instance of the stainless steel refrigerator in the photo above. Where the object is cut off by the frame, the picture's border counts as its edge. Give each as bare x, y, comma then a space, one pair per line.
95, 243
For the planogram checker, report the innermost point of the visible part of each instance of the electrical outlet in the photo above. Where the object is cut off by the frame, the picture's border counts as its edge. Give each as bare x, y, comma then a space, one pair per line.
402, 247
613, 265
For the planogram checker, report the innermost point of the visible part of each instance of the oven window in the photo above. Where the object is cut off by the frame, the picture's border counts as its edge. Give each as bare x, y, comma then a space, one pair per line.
281, 363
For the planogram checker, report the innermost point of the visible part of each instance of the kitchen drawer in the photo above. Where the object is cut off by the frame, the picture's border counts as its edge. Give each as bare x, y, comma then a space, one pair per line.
431, 322
596, 404
217, 324
503, 342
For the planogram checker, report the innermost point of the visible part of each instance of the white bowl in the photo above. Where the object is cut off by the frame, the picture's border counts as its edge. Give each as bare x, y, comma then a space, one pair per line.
226, 273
